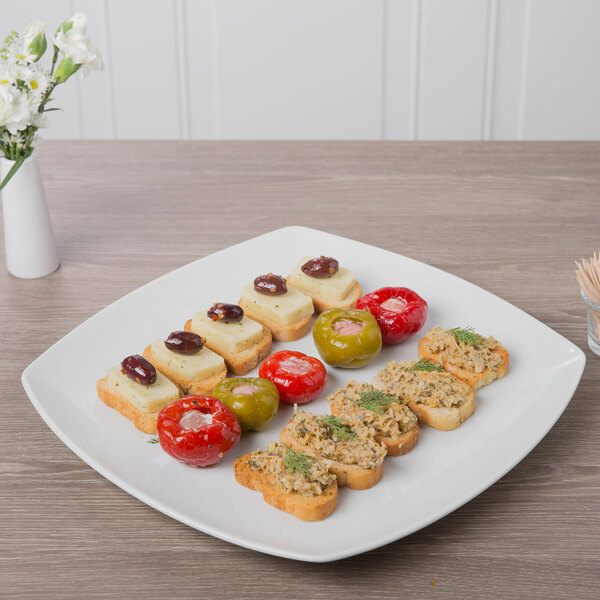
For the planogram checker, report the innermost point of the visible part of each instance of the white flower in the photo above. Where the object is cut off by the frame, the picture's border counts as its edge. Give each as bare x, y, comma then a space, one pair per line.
75, 44
8, 72
15, 113
36, 79
79, 21
39, 120
32, 31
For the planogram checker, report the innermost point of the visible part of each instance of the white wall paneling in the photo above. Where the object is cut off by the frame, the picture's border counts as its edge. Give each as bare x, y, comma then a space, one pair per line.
330, 69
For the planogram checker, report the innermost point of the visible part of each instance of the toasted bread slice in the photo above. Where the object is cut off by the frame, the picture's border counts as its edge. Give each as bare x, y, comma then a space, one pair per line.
188, 386
357, 463
322, 304
396, 425
306, 507
144, 421
281, 333
438, 398
474, 378
240, 363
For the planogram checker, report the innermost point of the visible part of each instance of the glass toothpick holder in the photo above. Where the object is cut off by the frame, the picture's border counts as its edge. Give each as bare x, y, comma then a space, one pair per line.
593, 324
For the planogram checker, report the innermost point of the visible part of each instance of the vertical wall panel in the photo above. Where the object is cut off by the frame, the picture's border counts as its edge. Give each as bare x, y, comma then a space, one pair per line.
303, 70
66, 123
562, 98
452, 69
509, 65
400, 66
202, 62
95, 90
144, 51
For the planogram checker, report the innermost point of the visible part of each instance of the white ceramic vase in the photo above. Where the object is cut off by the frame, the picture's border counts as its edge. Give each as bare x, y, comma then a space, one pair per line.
28, 237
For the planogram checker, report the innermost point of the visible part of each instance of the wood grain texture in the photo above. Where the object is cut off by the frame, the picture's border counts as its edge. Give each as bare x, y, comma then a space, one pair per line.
510, 217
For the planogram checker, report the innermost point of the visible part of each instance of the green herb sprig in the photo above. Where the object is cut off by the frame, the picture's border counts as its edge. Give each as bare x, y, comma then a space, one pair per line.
341, 427
374, 400
153, 440
295, 461
425, 364
466, 335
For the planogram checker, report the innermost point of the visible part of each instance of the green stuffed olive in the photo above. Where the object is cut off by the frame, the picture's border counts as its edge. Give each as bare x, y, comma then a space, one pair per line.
347, 338
253, 400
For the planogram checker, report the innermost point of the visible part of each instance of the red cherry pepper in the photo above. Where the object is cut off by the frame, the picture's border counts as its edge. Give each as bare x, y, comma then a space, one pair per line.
298, 377
399, 311
197, 430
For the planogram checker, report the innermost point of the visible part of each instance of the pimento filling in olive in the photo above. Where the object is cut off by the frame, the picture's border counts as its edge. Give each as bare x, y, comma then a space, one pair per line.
347, 327
395, 305
194, 419
244, 389
296, 366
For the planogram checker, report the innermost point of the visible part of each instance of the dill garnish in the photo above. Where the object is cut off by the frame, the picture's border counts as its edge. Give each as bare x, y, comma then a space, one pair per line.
340, 427
466, 335
425, 364
295, 461
153, 440
374, 400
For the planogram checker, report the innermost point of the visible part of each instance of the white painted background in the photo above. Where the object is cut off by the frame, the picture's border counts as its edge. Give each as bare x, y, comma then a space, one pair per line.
331, 69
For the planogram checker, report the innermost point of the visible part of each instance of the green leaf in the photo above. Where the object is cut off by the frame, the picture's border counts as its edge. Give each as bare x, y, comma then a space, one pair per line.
425, 364
18, 162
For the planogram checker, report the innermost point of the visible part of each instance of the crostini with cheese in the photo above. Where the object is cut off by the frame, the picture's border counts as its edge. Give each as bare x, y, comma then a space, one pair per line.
286, 312
328, 284
241, 341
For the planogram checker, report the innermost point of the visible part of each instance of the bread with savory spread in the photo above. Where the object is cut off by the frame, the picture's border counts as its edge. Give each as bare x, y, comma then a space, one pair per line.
295, 483
356, 459
474, 359
394, 423
438, 398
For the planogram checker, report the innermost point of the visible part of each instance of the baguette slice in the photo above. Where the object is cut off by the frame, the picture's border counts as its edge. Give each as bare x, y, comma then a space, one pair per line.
144, 421
281, 333
401, 442
348, 474
323, 304
474, 379
189, 386
307, 508
449, 401
240, 363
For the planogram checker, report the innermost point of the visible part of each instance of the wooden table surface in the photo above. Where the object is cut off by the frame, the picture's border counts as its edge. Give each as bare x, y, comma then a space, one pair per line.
509, 217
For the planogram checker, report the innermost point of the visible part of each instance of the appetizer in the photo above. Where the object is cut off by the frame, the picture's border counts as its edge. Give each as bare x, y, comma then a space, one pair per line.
254, 400
286, 312
325, 282
399, 311
438, 398
197, 430
475, 359
298, 377
241, 341
290, 481
395, 425
184, 359
347, 338
356, 459
137, 391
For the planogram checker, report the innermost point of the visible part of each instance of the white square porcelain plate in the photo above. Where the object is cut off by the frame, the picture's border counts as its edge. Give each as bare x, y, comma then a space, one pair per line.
444, 471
